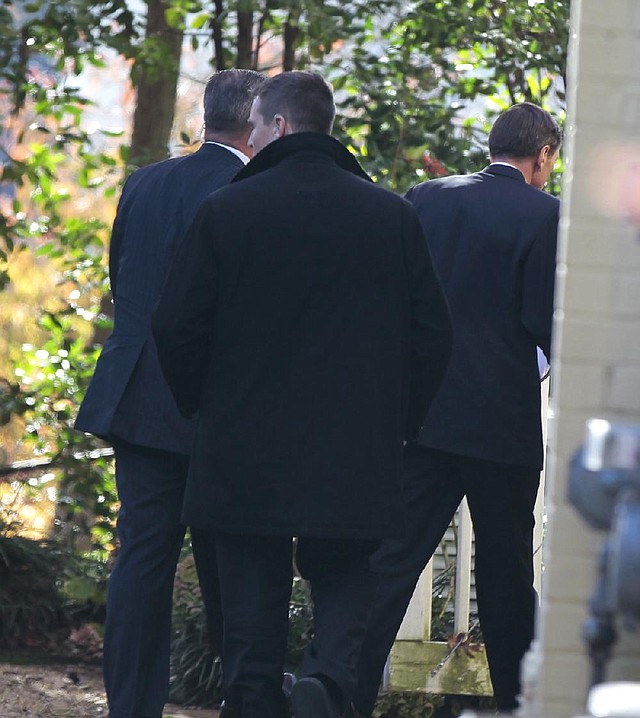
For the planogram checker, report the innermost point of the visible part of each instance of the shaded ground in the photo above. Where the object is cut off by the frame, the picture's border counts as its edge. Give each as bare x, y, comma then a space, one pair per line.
62, 690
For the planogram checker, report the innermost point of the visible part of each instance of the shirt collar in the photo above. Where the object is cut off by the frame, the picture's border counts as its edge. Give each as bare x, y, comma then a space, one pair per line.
507, 164
236, 152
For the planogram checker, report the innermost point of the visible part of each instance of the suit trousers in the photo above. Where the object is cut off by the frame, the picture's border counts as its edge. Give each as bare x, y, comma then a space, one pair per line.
256, 575
137, 637
501, 500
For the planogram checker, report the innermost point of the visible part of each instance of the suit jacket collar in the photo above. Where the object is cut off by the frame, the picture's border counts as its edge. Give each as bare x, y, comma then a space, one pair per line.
307, 142
504, 171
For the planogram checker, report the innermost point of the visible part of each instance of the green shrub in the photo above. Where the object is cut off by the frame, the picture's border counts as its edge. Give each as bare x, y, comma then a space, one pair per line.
32, 607
46, 589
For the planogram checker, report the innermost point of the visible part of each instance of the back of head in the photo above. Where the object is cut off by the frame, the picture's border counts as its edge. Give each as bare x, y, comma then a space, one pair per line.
227, 100
303, 98
522, 131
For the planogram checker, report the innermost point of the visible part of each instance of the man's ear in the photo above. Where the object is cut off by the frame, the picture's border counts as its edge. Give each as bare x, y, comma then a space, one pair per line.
281, 127
543, 156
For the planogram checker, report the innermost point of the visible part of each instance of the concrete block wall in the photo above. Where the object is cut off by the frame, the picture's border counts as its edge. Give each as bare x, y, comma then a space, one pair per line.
596, 354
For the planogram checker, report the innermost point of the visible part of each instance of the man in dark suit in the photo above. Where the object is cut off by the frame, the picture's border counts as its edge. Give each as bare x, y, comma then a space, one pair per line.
492, 235
303, 321
129, 404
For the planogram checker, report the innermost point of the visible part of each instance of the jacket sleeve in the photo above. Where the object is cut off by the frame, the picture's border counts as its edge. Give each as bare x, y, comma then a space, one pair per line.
539, 274
183, 319
431, 332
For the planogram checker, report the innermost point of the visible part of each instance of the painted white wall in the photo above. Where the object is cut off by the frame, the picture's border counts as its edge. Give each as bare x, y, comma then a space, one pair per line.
596, 353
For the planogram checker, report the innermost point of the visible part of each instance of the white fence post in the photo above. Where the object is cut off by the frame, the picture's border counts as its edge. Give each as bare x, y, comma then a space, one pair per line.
462, 600
416, 625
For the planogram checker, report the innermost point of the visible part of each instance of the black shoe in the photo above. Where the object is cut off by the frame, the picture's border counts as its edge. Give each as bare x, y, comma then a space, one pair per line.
311, 699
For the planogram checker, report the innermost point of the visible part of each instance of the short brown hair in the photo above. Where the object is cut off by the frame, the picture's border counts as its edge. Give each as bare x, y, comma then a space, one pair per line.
522, 131
303, 98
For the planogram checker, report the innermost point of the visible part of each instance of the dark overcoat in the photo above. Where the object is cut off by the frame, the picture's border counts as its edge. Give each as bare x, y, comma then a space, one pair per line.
493, 241
128, 397
303, 320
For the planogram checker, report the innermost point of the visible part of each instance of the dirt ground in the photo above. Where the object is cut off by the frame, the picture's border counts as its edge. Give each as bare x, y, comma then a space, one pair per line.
64, 690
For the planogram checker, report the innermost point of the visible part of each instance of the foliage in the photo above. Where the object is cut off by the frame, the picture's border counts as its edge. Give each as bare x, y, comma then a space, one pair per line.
431, 76
44, 588
86, 493
53, 375
59, 36
31, 605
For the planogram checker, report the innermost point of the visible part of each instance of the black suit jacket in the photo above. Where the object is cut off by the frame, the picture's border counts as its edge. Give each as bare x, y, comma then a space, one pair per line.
128, 397
303, 319
493, 241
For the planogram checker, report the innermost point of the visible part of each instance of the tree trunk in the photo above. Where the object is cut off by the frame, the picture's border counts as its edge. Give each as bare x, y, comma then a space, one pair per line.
290, 36
244, 46
155, 78
216, 35
156, 83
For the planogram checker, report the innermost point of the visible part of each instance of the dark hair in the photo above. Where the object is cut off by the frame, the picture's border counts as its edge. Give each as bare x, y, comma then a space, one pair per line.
522, 131
227, 100
303, 98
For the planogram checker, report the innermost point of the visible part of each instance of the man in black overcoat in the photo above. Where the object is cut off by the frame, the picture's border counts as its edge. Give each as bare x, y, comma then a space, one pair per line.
303, 321
492, 236
129, 404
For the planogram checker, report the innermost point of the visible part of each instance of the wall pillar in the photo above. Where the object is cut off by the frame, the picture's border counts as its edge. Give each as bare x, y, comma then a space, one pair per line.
596, 352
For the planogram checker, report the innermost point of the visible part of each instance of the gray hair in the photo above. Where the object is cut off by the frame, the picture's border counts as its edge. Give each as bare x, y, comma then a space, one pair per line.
227, 100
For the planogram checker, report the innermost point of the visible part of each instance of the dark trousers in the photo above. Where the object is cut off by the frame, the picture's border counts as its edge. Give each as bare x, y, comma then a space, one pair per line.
501, 499
137, 637
255, 582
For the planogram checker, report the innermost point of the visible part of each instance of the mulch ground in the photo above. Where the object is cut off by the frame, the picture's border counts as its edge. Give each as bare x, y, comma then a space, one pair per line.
62, 690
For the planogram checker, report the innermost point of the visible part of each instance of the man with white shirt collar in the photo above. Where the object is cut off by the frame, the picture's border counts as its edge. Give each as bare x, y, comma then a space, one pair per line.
492, 235
129, 404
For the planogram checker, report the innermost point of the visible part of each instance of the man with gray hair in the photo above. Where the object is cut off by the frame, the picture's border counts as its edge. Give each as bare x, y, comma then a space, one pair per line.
129, 404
